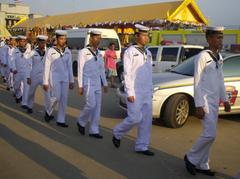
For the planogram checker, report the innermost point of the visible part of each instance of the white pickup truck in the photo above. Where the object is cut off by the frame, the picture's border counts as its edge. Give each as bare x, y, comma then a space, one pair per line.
166, 57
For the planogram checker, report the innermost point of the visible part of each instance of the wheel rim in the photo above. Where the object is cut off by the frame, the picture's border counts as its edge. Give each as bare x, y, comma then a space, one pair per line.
182, 112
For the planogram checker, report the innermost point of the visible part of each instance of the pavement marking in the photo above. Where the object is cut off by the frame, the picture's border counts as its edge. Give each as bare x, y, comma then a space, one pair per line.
30, 118
90, 167
18, 165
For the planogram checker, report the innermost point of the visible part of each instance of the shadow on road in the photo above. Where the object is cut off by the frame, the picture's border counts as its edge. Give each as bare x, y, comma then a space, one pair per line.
124, 160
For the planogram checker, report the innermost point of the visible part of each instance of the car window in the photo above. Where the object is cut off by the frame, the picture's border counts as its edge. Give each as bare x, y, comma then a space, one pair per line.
231, 66
76, 43
154, 51
169, 54
105, 43
185, 68
189, 52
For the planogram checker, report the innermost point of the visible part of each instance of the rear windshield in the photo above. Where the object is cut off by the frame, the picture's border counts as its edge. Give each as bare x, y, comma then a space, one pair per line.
76, 43
105, 43
79, 43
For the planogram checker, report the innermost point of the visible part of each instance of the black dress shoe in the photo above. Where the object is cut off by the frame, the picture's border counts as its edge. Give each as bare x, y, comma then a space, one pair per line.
116, 142
189, 166
97, 136
206, 172
81, 129
24, 107
48, 117
29, 111
146, 152
18, 100
62, 124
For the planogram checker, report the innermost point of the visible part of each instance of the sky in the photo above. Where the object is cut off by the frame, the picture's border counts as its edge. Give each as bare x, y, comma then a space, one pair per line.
218, 12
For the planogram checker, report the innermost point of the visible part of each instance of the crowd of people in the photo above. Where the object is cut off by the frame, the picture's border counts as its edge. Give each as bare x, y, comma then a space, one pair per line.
23, 69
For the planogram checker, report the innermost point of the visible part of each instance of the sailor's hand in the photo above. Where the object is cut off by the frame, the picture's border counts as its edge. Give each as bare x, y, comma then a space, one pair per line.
227, 107
29, 81
200, 112
131, 99
15, 72
105, 89
45, 87
80, 91
71, 86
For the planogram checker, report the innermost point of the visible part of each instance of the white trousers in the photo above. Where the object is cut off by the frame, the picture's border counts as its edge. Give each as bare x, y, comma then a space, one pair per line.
60, 91
140, 115
92, 109
21, 87
199, 153
9, 77
4, 72
35, 82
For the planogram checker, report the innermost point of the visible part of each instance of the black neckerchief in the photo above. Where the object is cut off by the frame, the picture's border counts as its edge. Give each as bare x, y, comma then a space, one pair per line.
92, 52
22, 50
40, 53
142, 51
215, 59
59, 51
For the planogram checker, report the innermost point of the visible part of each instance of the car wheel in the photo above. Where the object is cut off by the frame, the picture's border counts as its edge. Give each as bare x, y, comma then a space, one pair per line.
176, 111
75, 68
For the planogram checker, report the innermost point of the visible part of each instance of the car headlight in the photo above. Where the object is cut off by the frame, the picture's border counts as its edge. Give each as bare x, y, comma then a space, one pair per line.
156, 89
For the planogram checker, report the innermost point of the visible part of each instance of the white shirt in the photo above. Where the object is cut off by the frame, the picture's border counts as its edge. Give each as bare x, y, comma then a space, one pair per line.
37, 64
21, 61
58, 66
208, 80
4, 54
91, 70
10, 56
137, 71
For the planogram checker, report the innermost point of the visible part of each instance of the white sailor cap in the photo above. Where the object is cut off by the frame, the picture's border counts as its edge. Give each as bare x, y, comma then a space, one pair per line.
95, 32
214, 30
42, 37
141, 28
12, 37
61, 32
21, 37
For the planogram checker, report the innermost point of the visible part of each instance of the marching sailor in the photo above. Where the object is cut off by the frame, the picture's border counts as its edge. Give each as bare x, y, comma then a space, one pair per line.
209, 91
138, 86
58, 75
91, 78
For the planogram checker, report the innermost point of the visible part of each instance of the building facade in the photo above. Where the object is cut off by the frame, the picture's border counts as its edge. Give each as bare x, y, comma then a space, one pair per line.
10, 14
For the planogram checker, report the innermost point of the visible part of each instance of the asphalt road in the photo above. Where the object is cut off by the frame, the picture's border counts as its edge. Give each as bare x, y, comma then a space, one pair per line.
31, 148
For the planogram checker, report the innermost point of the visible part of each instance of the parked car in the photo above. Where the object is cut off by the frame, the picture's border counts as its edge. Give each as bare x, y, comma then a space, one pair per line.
165, 57
173, 99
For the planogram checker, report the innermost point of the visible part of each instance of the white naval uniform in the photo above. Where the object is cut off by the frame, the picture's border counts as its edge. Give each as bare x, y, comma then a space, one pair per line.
1, 61
91, 77
10, 67
138, 83
4, 61
58, 74
209, 89
21, 63
36, 76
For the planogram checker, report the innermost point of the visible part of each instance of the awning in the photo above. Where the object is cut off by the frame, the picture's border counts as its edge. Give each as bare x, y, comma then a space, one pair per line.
186, 11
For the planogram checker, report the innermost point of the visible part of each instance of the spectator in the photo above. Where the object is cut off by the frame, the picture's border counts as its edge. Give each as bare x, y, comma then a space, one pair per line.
110, 63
